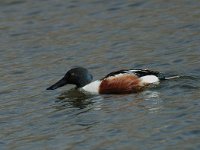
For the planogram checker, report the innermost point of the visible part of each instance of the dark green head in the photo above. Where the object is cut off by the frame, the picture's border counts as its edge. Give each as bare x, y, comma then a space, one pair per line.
78, 76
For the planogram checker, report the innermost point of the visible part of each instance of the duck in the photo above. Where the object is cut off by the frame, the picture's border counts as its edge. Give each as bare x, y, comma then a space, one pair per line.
124, 81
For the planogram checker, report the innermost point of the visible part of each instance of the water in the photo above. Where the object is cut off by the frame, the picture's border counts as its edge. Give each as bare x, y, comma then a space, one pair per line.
41, 40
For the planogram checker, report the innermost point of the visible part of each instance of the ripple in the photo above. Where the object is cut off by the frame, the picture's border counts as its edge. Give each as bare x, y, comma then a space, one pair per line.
136, 4
15, 2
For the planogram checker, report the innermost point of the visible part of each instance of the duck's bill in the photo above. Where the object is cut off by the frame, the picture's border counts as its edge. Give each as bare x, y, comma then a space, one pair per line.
58, 84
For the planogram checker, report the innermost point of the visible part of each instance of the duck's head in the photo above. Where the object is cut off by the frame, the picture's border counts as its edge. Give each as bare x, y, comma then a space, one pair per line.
78, 76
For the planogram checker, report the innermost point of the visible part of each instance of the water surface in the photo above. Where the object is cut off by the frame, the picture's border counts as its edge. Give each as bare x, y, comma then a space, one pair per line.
41, 40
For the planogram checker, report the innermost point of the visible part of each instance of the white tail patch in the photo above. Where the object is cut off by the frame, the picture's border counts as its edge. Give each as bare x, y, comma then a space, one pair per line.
150, 79
92, 87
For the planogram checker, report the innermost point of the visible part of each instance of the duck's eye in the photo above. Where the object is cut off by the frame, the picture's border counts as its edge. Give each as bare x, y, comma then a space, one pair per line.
72, 74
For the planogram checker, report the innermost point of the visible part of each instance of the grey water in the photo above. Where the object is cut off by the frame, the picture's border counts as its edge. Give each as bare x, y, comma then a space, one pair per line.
40, 40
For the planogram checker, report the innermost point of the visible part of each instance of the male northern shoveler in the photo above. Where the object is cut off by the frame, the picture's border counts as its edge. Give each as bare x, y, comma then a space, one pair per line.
118, 82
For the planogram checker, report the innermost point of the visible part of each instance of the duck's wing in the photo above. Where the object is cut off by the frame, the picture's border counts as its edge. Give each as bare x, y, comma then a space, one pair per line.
137, 72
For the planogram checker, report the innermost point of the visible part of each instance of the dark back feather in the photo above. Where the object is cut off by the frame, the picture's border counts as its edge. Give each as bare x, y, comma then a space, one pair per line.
137, 72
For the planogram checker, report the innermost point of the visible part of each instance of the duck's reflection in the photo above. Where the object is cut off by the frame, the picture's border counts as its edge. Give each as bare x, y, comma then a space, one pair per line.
74, 98
148, 100
152, 101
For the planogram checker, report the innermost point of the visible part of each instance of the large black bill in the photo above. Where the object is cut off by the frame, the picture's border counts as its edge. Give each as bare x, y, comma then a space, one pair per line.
58, 84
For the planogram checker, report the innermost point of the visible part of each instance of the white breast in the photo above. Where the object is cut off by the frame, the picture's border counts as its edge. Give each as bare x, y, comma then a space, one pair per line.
92, 87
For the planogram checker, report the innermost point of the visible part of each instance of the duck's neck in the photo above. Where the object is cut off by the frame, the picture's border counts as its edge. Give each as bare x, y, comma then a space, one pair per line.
86, 79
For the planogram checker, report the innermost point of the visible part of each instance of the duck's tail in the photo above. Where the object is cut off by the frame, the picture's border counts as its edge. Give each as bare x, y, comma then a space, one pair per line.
162, 76
172, 77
